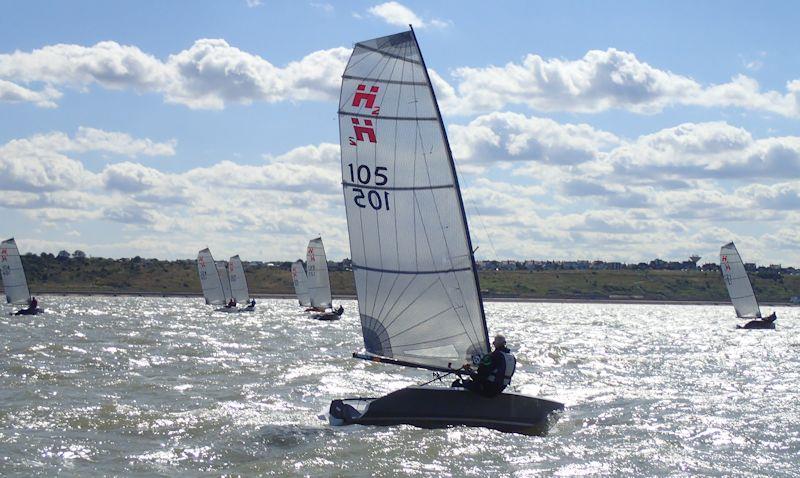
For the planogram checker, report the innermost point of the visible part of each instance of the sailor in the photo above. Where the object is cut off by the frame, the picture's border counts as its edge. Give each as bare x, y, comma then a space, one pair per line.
770, 318
33, 304
231, 304
252, 302
494, 372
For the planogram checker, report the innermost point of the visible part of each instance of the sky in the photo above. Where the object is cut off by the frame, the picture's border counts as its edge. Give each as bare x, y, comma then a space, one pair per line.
581, 130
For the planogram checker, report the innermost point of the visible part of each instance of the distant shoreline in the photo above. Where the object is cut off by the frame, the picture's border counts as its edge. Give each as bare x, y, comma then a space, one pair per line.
565, 300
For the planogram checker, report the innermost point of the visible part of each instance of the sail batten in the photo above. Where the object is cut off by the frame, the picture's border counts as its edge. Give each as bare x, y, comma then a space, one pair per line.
15, 284
409, 241
738, 283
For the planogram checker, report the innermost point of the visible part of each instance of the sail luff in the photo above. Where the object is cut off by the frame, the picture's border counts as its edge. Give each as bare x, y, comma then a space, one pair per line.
319, 286
300, 281
239, 289
225, 280
458, 188
15, 284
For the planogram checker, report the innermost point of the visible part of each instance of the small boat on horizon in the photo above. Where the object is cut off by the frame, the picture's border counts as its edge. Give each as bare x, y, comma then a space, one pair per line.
319, 284
15, 284
223, 283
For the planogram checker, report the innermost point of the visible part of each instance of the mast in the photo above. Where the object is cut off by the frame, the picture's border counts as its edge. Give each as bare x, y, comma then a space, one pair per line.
458, 187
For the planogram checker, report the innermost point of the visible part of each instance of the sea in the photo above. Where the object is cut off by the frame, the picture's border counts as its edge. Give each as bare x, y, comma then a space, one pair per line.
138, 386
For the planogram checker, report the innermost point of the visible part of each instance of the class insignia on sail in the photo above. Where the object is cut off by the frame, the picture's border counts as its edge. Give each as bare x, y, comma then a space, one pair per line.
740, 290
417, 284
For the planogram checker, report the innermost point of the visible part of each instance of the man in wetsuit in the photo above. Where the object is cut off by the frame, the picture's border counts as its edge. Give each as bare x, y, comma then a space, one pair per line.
494, 372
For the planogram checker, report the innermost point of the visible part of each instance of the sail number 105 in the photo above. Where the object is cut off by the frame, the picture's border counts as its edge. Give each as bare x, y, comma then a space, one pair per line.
365, 175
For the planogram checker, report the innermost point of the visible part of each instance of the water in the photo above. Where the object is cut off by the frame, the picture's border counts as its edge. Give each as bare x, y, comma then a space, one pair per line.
151, 386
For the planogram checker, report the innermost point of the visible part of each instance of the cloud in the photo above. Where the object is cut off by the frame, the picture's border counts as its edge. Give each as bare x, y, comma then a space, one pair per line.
397, 14
12, 93
208, 75
253, 3
601, 81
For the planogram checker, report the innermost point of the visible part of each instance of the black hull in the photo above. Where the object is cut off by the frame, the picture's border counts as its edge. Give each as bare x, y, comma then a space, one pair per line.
328, 316
29, 312
758, 324
434, 407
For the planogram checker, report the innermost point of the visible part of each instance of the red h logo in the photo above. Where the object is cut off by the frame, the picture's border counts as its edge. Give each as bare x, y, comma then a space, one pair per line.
362, 96
361, 131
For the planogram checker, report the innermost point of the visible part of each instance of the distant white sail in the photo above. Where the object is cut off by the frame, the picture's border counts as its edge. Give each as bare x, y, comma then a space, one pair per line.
238, 280
300, 283
224, 277
418, 294
14, 282
739, 287
210, 279
319, 284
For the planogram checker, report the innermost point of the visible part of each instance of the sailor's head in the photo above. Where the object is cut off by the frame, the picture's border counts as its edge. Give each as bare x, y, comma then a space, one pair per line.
499, 341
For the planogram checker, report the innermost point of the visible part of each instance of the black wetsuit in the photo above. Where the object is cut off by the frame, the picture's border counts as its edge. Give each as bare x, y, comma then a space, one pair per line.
490, 377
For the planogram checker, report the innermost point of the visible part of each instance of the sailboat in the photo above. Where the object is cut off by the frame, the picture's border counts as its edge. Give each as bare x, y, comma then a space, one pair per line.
741, 291
238, 282
300, 281
319, 284
419, 298
15, 284
214, 281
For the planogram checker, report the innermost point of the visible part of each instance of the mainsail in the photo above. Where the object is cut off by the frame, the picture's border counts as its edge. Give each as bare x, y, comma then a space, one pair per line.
14, 282
319, 284
222, 270
418, 293
238, 280
300, 283
209, 278
739, 287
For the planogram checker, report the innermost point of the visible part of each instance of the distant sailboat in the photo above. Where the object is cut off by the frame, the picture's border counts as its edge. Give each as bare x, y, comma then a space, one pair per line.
418, 294
741, 291
238, 281
300, 281
15, 284
214, 281
319, 285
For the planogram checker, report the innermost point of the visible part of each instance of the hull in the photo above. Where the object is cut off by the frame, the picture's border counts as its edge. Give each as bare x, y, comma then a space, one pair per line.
29, 312
328, 316
758, 324
434, 407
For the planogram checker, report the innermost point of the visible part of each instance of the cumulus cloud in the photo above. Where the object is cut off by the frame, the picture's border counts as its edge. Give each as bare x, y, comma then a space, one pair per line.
602, 80
208, 75
397, 14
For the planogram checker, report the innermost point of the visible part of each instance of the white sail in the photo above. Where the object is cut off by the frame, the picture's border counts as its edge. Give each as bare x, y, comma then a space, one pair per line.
319, 284
224, 277
300, 283
209, 278
238, 279
415, 275
739, 287
14, 282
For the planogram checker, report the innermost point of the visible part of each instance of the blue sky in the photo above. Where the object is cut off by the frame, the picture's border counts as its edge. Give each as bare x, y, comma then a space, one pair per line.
611, 130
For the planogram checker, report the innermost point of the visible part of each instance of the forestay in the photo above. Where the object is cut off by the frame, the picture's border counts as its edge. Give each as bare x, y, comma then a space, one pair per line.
209, 278
739, 287
14, 282
225, 279
319, 285
417, 286
238, 280
300, 283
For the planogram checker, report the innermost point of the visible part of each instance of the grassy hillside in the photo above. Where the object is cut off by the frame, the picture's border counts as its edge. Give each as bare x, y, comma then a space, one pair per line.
49, 274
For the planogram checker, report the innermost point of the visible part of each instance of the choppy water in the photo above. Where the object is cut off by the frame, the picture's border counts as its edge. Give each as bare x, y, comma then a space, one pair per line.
151, 386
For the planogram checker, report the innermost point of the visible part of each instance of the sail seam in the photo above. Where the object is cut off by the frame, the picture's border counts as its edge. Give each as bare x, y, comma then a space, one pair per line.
386, 53
380, 80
